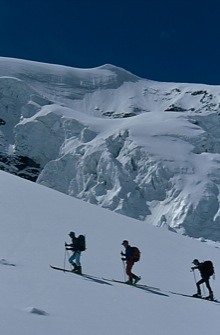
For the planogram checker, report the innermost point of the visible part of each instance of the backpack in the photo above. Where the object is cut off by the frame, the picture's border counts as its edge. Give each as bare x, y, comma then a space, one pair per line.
81, 242
135, 254
208, 268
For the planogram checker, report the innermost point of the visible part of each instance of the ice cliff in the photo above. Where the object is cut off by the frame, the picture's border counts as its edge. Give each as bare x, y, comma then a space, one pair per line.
141, 148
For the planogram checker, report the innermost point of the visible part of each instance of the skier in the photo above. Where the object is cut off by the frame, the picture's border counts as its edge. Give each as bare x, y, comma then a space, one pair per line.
205, 274
129, 258
74, 260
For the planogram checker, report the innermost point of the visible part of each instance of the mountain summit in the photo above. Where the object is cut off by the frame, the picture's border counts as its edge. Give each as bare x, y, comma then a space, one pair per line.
145, 149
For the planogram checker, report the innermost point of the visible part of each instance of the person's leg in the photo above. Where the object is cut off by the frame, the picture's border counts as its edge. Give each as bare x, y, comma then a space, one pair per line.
209, 287
128, 270
78, 268
71, 260
201, 281
77, 258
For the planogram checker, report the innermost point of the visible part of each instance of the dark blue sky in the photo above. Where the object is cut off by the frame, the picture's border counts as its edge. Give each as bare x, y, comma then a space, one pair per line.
164, 40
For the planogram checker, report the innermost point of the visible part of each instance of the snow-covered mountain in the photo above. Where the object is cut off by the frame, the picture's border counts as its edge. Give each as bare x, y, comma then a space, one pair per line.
141, 148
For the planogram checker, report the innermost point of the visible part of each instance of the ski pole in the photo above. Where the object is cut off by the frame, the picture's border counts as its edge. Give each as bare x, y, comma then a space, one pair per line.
124, 270
64, 265
68, 255
194, 276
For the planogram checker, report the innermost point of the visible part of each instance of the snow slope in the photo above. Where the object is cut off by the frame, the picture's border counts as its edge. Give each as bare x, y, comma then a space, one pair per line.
35, 222
144, 149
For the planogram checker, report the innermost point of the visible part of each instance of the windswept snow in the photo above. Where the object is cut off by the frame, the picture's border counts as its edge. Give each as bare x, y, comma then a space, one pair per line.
35, 222
144, 149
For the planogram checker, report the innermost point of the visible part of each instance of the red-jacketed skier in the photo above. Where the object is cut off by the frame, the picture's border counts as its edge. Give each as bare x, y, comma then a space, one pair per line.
131, 256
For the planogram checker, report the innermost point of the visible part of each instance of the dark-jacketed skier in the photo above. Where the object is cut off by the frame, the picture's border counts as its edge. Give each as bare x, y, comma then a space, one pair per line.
206, 272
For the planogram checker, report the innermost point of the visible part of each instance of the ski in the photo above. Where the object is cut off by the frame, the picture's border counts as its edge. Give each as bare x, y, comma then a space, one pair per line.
86, 276
136, 285
190, 296
65, 270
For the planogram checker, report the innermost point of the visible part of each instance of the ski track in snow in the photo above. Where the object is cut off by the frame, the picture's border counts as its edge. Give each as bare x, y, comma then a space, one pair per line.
35, 299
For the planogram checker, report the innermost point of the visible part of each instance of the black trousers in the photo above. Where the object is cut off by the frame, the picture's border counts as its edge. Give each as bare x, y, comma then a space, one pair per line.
201, 281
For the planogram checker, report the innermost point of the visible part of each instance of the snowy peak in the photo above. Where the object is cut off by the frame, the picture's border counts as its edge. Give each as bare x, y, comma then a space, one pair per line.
140, 148
64, 82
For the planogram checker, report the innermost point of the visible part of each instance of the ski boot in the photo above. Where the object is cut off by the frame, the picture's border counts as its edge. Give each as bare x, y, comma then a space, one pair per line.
129, 282
136, 280
210, 297
197, 295
78, 269
74, 266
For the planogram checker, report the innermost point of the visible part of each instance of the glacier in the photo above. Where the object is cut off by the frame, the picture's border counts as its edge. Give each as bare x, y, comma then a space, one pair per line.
145, 149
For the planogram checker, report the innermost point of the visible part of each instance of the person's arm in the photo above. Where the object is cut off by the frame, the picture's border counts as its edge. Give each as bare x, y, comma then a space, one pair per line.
124, 256
69, 245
